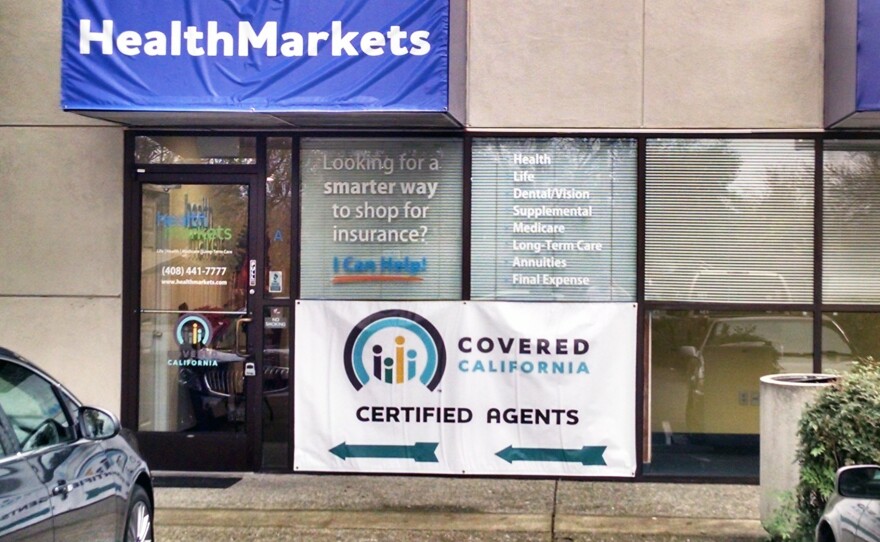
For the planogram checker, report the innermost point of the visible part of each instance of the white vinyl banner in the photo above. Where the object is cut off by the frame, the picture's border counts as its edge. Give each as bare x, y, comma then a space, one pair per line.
483, 388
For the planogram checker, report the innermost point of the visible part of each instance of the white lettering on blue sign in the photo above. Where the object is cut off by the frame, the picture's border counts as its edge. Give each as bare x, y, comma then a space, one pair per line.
213, 42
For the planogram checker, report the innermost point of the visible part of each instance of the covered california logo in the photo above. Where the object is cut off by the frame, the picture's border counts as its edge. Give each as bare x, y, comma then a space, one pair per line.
394, 347
193, 331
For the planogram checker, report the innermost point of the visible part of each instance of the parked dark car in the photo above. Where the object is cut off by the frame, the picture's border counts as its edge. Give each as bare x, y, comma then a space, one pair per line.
68, 472
853, 510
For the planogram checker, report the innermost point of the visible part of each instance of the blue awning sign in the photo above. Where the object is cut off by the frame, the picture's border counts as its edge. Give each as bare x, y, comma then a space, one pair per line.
256, 55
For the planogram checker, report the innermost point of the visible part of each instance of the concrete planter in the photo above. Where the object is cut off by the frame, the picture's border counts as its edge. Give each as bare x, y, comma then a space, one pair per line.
783, 399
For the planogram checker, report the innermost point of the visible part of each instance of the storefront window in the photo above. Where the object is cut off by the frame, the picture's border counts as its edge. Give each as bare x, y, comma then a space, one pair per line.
726, 221
381, 218
194, 150
554, 219
729, 220
728, 224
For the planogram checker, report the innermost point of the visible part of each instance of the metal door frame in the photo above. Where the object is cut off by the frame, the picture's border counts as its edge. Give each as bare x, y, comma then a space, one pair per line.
214, 451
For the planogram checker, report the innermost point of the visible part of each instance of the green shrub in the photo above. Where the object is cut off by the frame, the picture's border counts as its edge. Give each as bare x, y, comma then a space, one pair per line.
783, 523
841, 427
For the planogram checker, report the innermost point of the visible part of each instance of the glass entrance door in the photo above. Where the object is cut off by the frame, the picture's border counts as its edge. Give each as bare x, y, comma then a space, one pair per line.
197, 282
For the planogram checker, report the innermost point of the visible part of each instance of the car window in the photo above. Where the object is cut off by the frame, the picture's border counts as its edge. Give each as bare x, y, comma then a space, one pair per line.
71, 406
33, 409
788, 335
833, 341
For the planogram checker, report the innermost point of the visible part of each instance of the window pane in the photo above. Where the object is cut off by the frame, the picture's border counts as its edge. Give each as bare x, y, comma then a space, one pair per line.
705, 381
554, 219
848, 336
191, 378
276, 388
381, 219
279, 191
194, 150
851, 228
194, 247
729, 220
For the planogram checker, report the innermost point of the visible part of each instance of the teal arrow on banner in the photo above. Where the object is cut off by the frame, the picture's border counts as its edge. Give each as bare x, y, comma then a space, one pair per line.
588, 455
420, 452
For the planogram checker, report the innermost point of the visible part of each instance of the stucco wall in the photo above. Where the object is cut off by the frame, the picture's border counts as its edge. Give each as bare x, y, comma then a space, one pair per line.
542, 64
60, 215
645, 64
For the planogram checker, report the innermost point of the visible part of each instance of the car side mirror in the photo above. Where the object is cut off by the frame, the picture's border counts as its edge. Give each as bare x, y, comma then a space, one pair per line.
98, 424
861, 482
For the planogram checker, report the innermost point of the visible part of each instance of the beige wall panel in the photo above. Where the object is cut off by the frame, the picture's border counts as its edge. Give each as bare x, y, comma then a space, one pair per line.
554, 63
61, 209
734, 64
76, 340
30, 64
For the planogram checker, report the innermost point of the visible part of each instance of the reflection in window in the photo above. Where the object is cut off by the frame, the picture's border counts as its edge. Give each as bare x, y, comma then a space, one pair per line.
194, 247
794, 333
705, 379
276, 388
191, 377
194, 150
857, 338
279, 193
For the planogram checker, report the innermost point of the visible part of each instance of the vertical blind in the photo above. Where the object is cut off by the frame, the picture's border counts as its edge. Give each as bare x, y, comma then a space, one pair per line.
381, 218
729, 220
851, 224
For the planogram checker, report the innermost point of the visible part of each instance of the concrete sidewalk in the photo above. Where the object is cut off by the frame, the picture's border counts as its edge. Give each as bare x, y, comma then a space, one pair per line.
373, 508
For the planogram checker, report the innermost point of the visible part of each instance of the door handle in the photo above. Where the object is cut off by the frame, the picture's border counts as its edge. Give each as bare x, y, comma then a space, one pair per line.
62, 489
238, 325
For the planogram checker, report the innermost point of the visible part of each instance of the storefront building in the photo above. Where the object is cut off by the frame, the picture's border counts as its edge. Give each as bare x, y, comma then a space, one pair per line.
440, 237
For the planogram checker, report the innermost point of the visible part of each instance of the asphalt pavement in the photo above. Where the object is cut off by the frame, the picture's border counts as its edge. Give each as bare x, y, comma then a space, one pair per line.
263, 507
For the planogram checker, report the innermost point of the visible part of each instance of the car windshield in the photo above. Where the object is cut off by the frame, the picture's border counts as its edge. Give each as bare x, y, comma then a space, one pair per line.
834, 342
792, 335
788, 335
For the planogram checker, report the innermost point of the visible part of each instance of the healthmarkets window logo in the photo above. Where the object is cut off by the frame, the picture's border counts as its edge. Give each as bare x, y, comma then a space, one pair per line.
395, 347
192, 40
